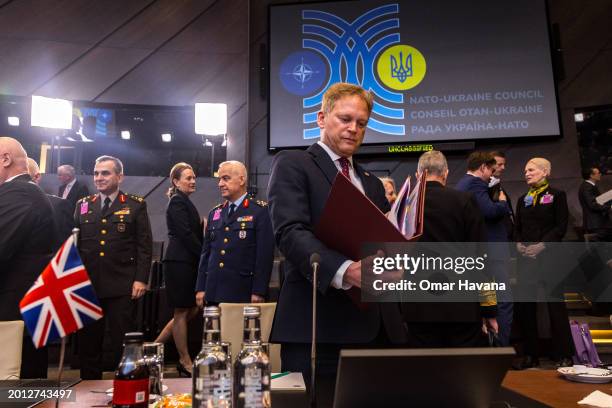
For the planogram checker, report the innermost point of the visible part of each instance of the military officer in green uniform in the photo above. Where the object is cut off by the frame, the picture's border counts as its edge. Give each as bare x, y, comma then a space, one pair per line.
238, 248
115, 245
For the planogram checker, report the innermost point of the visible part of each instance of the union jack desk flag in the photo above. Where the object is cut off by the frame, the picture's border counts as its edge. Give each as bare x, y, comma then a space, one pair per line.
62, 299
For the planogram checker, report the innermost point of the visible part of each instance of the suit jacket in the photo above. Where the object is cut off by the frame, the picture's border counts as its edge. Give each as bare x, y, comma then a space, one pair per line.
184, 230
27, 224
594, 215
450, 216
78, 191
237, 254
542, 222
300, 182
509, 218
116, 247
494, 214
63, 217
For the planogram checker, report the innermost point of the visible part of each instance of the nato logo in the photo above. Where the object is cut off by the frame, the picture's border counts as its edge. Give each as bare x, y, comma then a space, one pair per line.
303, 73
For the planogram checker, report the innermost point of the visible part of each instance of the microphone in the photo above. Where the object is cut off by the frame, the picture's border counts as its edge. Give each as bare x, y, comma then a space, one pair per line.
315, 260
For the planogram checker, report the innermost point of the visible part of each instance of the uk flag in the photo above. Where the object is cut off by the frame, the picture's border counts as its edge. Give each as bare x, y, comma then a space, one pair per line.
62, 299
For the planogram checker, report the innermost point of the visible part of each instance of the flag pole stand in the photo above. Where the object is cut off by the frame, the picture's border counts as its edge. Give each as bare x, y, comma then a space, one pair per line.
61, 368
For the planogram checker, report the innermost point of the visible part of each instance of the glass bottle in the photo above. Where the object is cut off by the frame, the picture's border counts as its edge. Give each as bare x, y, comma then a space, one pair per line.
252, 366
131, 383
154, 359
212, 368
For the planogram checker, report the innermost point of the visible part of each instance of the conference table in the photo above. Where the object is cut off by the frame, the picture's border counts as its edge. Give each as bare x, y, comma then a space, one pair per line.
522, 389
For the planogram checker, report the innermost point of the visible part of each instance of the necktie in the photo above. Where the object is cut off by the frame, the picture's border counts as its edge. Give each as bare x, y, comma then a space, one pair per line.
231, 210
107, 202
344, 166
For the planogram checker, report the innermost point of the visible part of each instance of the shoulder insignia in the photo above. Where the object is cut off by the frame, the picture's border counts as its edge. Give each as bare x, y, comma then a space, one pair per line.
261, 203
136, 198
86, 198
216, 206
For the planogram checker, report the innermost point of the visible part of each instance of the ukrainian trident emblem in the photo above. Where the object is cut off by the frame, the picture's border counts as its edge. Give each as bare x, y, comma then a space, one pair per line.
402, 70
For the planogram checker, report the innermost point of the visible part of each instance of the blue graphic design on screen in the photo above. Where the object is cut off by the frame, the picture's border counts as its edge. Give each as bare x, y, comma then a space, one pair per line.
350, 51
303, 73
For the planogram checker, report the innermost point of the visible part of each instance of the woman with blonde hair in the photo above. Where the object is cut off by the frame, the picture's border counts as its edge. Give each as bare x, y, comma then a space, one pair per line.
180, 264
541, 217
390, 190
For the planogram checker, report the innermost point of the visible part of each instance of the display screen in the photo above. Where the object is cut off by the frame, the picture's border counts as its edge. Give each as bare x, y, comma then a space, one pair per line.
94, 122
439, 70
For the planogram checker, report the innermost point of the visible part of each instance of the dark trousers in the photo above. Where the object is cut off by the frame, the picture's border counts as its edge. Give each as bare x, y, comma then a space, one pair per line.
445, 334
526, 317
296, 357
120, 314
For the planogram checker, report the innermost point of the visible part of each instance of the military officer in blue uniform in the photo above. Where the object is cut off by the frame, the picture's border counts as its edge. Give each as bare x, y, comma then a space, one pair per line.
238, 248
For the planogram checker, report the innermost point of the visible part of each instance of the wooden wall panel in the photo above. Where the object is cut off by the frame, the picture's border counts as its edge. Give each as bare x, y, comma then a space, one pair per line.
93, 73
71, 21
26, 64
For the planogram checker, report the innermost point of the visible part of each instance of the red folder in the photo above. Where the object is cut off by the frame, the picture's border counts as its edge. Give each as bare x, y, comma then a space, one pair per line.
350, 219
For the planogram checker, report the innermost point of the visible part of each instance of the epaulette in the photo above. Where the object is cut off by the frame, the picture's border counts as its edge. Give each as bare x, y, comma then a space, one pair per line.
216, 206
136, 198
86, 198
261, 203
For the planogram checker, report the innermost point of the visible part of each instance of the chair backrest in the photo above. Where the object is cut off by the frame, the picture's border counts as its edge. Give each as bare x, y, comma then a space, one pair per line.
11, 337
232, 324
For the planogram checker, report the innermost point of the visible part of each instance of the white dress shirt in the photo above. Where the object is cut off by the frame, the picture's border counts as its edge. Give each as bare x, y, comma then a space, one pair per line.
337, 281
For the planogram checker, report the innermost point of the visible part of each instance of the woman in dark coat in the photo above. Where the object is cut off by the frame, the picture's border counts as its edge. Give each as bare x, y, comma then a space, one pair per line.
181, 259
541, 217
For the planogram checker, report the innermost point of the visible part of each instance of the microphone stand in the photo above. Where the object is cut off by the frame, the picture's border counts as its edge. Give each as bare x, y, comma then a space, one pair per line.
313, 347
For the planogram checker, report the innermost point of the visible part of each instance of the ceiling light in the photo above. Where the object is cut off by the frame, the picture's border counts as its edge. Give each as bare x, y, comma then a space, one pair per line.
51, 113
210, 119
166, 137
13, 121
125, 135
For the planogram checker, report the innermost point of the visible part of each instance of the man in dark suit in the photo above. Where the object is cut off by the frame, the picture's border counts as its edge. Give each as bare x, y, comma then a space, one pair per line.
25, 248
116, 246
238, 249
300, 182
595, 216
62, 210
450, 216
496, 188
70, 189
480, 168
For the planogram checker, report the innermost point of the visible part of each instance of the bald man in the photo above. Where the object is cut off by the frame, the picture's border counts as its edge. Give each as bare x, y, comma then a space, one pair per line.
238, 247
26, 223
62, 209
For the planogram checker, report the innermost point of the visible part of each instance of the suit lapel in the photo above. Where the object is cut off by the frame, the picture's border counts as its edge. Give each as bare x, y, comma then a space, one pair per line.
368, 188
324, 162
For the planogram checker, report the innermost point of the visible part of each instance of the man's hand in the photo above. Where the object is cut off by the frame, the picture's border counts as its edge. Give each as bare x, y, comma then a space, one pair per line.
200, 299
138, 289
521, 248
534, 250
352, 276
489, 323
256, 298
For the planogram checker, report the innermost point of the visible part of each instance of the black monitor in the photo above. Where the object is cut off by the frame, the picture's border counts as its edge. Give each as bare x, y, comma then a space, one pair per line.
457, 377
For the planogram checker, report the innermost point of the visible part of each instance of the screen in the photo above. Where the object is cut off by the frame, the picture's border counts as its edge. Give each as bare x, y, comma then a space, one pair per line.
94, 122
439, 70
